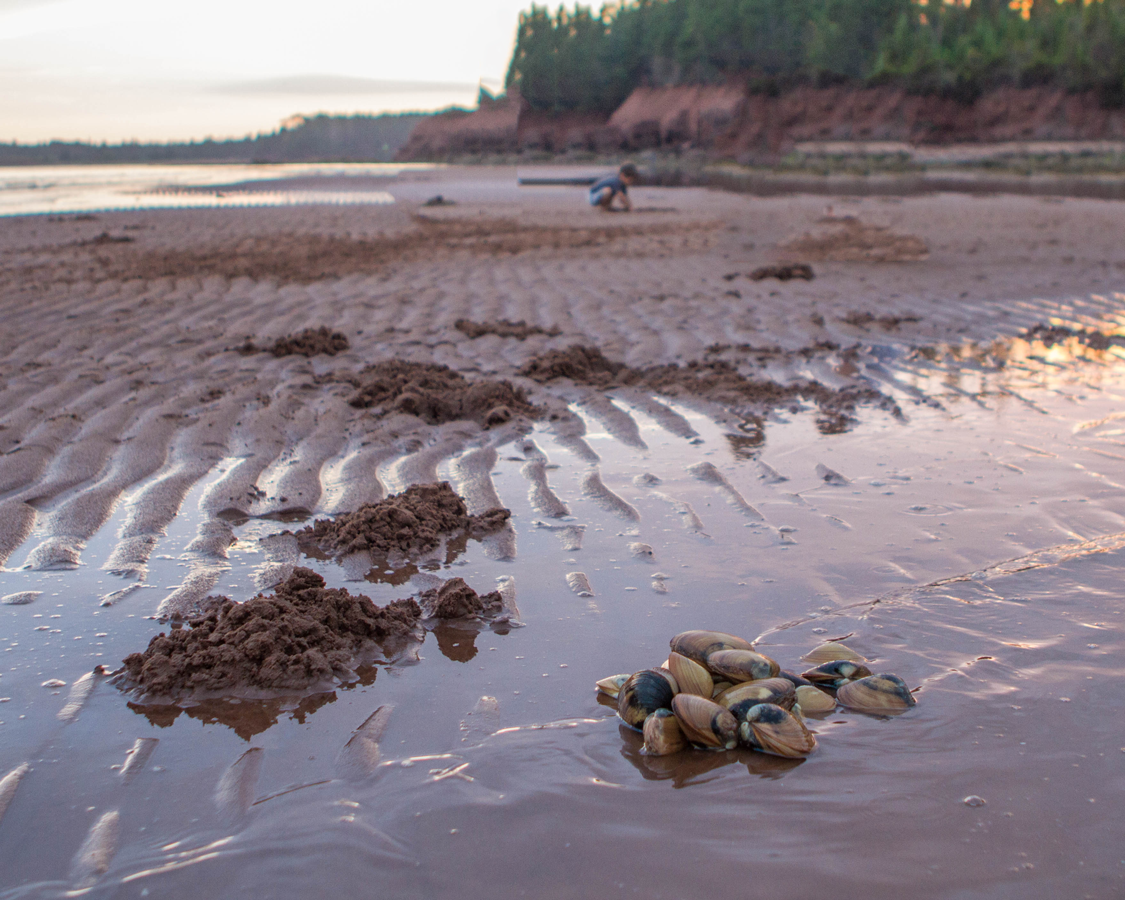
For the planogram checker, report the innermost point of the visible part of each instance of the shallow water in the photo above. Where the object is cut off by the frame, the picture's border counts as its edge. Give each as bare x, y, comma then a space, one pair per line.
58, 190
929, 557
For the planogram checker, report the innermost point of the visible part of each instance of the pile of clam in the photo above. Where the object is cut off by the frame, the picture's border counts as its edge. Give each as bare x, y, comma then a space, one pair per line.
716, 691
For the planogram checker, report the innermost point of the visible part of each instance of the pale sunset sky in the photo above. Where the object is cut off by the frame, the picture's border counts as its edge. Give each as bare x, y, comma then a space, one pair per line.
113, 70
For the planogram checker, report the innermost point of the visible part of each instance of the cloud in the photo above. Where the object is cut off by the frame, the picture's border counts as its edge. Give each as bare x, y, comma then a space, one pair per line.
336, 84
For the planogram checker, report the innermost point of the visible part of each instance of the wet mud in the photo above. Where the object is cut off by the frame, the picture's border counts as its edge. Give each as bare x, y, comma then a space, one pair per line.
305, 634
309, 342
407, 524
436, 394
717, 381
520, 330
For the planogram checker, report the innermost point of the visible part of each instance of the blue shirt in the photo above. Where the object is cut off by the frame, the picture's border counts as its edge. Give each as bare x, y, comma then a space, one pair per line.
613, 182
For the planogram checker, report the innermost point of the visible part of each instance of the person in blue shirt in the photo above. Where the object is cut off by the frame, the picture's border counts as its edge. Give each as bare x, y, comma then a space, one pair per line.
604, 192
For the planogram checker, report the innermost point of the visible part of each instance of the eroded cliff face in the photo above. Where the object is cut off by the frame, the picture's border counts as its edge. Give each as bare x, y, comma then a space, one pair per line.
731, 122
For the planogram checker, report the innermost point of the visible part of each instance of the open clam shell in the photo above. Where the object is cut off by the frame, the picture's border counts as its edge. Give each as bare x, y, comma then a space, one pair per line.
704, 722
698, 645
830, 651
884, 693
642, 694
612, 686
663, 735
812, 700
742, 697
737, 666
834, 674
691, 677
771, 729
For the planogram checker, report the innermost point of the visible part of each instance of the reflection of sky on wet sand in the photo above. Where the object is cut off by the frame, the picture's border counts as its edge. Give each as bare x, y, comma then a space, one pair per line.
931, 557
58, 190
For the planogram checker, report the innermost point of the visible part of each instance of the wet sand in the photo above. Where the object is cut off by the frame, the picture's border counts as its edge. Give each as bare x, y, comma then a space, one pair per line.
968, 534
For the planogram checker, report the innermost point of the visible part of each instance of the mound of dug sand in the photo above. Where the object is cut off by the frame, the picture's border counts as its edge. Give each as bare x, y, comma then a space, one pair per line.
456, 600
436, 394
502, 328
305, 634
714, 380
310, 342
406, 524
847, 239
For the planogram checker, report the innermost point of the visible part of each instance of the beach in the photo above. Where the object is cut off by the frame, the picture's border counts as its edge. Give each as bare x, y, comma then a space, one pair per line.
917, 450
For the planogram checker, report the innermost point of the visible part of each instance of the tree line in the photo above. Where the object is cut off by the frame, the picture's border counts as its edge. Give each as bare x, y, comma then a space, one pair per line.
578, 59
359, 138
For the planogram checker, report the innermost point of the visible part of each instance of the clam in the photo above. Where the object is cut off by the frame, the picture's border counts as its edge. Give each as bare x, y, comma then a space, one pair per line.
834, 674
720, 686
742, 697
643, 693
610, 686
883, 693
691, 677
698, 645
741, 665
830, 651
663, 735
813, 700
704, 722
797, 680
771, 729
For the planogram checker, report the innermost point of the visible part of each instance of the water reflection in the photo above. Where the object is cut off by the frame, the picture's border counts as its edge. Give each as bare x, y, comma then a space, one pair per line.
689, 767
456, 641
247, 718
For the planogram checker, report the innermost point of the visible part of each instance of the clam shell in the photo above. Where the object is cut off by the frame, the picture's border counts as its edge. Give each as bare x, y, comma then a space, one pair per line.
836, 673
813, 700
720, 686
877, 693
669, 677
612, 685
697, 645
644, 693
794, 677
705, 722
690, 676
830, 651
741, 665
771, 729
663, 735
742, 697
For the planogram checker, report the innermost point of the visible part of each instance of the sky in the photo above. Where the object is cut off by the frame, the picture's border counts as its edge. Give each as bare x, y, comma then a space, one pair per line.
158, 70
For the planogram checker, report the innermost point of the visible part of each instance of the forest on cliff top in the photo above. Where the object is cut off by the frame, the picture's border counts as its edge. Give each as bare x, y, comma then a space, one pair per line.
578, 59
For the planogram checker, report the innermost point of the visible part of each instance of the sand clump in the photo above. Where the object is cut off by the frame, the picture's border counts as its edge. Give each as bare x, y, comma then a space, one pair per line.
310, 342
783, 272
436, 394
1050, 335
456, 600
304, 635
847, 239
887, 323
715, 380
503, 328
407, 524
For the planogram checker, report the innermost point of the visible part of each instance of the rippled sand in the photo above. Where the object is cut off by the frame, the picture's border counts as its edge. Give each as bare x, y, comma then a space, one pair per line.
972, 545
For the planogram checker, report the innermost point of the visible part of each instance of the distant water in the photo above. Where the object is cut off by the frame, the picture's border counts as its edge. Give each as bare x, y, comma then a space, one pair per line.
84, 189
